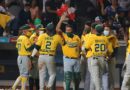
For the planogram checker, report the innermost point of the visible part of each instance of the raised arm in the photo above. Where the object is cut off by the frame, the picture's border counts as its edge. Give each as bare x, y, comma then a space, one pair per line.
103, 12
58, 27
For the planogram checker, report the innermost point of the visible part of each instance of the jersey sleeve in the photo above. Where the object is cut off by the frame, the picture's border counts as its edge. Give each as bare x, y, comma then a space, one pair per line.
60, 40
88, 43
39, 41
17, 44
109, 47
27, 43
79, 40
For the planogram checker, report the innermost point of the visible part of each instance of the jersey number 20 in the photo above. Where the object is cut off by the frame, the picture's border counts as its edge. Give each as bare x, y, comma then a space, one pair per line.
99, 47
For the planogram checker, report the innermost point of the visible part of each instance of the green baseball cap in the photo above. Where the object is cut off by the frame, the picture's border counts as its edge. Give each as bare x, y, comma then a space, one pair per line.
26, 27
99, 28
37, 21
50, 26
40, 27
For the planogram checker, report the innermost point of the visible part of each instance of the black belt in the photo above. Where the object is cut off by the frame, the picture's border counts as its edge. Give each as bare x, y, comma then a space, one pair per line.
71, 57
97, 57
47, 54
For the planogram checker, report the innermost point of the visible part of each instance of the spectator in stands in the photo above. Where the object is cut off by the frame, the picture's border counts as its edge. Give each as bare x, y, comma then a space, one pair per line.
111, 10
2, 6
14, 9
124, 3
24, 15
51, 6
35, 11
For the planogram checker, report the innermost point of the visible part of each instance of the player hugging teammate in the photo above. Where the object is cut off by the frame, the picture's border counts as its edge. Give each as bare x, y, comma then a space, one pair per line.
95, 50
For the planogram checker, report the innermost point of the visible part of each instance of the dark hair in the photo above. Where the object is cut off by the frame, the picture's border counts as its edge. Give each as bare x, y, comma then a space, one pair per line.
88, 22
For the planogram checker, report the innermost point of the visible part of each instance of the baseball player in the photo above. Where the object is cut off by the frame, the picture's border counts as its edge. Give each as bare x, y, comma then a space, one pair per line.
85, 75
126, 68
46, 45
34, 72
24, 47
71, 52
112, 60
99, 49
88, 80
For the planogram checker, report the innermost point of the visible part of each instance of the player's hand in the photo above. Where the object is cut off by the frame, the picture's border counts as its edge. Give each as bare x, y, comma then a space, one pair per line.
63, 18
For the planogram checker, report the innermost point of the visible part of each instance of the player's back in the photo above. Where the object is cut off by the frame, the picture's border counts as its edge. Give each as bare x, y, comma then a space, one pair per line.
48, 43
99, 45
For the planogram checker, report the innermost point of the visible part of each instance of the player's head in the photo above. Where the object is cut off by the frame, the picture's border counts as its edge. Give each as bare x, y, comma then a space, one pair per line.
27, 30
93, 27
40, 29
107, 31
87, 27
69, 30
50, 28
99, 29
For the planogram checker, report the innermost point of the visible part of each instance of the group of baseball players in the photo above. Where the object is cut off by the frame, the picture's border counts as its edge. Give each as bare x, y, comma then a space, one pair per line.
91, 58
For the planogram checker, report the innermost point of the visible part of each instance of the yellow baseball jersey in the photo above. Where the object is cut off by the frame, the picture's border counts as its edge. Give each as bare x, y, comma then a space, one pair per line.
113, 39
48, 44
34, 38
23, 43
128, 48
98, 45
89, 52
83, 39
72, 46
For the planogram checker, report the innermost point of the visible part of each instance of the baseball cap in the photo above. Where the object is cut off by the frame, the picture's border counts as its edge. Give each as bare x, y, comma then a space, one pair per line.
26, 27
99, 28
37, 21
93, 25
40, 27
50, 26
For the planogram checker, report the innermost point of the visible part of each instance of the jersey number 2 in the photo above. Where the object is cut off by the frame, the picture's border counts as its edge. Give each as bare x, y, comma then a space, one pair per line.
48, 44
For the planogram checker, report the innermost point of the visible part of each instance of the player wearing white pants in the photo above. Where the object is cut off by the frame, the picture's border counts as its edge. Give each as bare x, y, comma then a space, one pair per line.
71, 51
23, 62
98, 44
46, 62
126, 80
71, 72
98, 66
46, 45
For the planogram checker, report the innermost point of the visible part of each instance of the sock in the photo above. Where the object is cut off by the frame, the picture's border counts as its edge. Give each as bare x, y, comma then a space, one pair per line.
23, 84
68, 78
16, 82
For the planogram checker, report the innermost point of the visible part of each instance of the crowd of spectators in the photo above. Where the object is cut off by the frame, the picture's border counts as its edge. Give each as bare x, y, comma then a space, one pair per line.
15, 13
